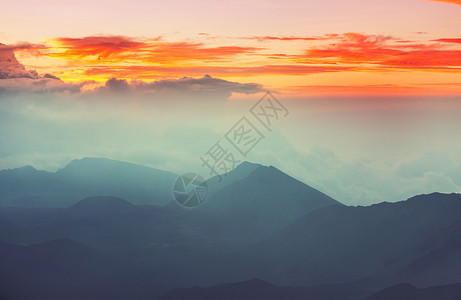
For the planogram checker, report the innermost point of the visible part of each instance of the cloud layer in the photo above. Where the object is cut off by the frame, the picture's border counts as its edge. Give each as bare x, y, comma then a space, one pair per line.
384, 51
14, 78
107, 49
103, 57
10, 67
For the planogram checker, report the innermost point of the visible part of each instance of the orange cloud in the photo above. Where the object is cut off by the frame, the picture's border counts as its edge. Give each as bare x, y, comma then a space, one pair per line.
119, 49
100, 46
458, 2
385, 51
99, 58
456, 41
382, 51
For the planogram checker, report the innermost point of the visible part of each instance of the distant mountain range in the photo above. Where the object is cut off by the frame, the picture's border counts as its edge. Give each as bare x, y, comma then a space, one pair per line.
262, 199
255, 202
406, 291
258, 223
84, 178
259, 289
378, 245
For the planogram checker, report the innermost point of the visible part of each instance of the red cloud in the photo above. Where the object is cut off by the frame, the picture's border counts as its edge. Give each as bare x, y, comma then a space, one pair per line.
100, 57
456, 41
386, 51
349, 48
124, 49
102, 46
458, 2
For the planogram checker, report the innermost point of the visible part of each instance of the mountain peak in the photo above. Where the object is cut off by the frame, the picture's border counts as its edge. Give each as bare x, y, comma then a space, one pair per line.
433, 196
238, 173
244, 168
248, 165
432, 200
256, 195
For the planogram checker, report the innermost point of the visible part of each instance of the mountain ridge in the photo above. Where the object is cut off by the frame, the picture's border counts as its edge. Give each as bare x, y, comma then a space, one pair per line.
260, 289
83, 178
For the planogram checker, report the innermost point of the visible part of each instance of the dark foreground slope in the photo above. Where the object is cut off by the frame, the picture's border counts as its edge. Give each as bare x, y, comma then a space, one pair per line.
387, 243
406, 291
259, 289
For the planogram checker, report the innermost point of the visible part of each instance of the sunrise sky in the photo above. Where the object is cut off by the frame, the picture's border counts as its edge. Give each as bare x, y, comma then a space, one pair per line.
372, 87
300, 48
